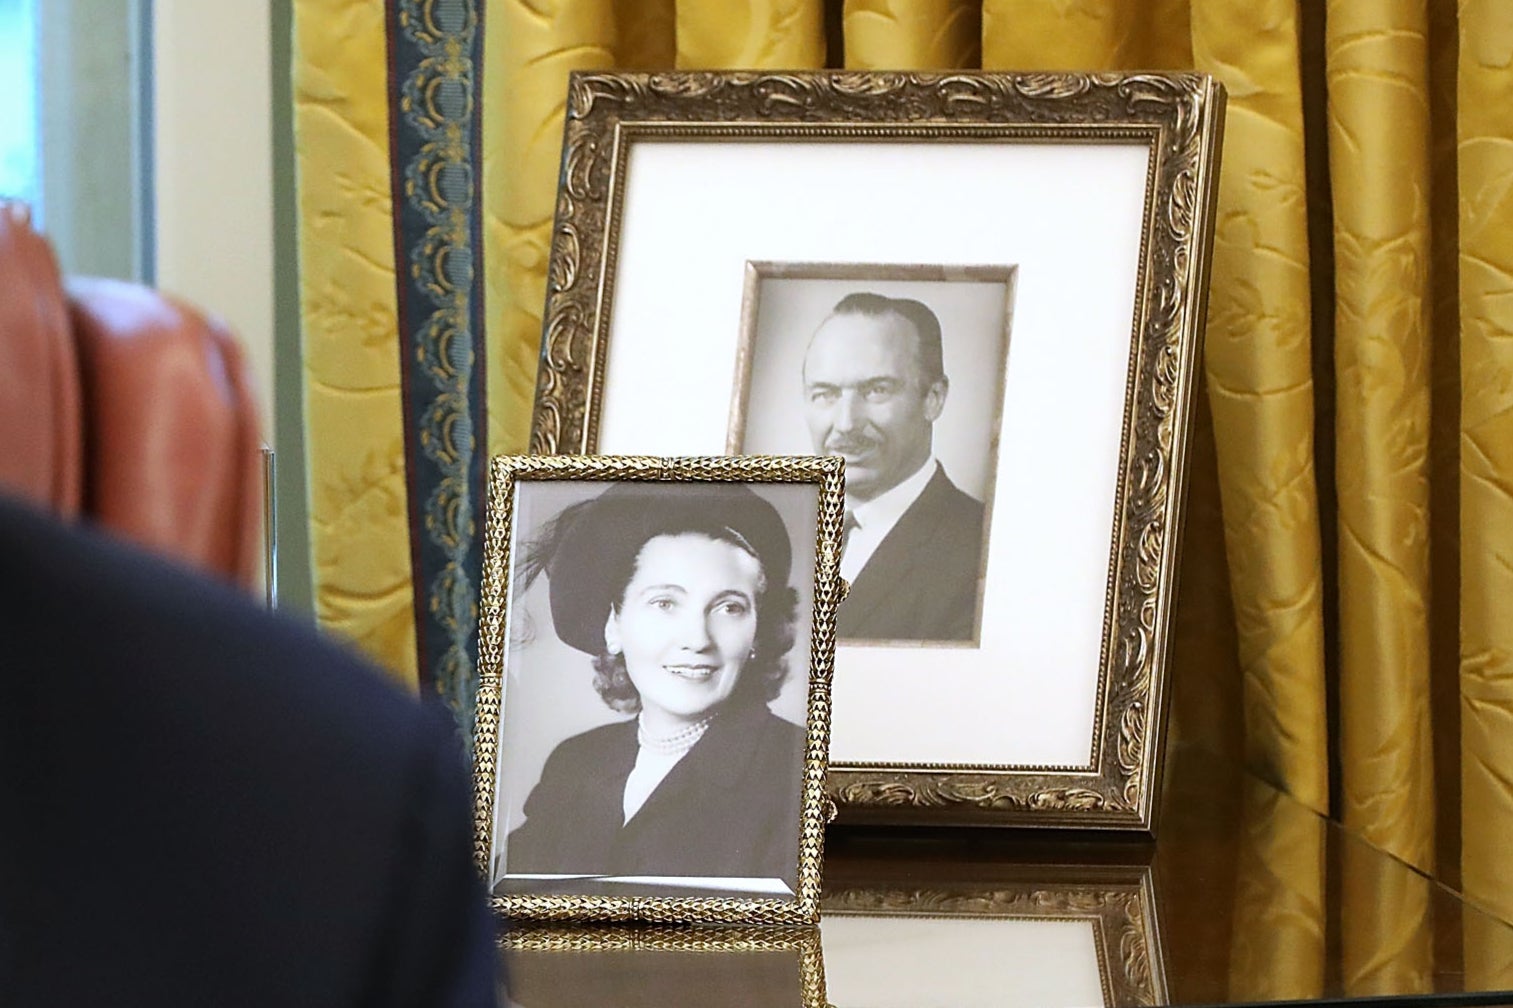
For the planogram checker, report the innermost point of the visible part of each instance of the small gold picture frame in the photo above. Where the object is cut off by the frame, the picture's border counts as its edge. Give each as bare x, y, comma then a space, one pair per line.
653, 710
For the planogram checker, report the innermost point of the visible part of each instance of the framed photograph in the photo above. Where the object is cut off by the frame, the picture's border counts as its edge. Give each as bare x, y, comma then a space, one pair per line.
716, 967
656, 655
943, 539
1066, 935
985, 293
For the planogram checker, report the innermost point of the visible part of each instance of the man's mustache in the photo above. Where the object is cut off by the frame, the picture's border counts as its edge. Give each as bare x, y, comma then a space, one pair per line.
850, 446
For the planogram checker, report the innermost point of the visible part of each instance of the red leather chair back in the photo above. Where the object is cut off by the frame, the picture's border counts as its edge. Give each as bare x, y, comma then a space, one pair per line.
40, 456
130, 409
171, 435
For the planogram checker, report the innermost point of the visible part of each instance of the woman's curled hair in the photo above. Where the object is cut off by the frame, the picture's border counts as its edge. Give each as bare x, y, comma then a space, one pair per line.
588, 553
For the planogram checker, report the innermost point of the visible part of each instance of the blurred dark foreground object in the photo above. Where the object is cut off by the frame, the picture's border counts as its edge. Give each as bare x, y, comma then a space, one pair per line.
206, 805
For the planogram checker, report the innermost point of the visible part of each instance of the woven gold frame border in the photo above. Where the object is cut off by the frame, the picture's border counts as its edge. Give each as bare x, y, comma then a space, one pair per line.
1179, 117
506, 471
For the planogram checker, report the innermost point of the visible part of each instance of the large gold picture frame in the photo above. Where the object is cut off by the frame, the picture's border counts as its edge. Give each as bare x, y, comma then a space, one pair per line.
732, 831
683, 195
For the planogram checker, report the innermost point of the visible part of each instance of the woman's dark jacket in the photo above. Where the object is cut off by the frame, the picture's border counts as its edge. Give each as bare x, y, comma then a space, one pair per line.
729, 808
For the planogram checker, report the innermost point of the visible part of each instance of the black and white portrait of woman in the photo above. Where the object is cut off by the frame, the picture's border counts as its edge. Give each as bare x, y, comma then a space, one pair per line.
653, 706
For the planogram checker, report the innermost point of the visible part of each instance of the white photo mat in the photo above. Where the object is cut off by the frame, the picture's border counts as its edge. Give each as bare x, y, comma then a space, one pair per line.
1070, 218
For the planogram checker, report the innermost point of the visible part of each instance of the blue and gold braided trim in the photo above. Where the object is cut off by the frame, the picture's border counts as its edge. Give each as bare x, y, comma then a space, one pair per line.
435, 51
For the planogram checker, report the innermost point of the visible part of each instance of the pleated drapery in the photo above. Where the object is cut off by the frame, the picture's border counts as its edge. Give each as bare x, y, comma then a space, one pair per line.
1484, 145
354, 421
1378, 139
1258, 354
1346, 617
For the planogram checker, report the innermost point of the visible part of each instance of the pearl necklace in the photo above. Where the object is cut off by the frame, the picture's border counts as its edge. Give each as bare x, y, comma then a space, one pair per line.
679, 741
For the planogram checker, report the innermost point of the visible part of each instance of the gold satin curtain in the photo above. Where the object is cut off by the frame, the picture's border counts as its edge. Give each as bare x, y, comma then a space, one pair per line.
1346, 620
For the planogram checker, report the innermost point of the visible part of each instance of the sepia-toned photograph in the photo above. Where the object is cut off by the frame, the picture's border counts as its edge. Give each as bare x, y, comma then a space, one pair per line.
653, 722
899, 370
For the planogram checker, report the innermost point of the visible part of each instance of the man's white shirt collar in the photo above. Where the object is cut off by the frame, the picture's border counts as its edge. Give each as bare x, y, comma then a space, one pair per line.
876, 518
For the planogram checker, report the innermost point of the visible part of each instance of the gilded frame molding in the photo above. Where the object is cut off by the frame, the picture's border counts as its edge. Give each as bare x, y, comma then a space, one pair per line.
506, 473
1178, 118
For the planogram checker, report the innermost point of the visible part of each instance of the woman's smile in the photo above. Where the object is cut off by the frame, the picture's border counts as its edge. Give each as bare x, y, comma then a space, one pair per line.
686, 626
697, 672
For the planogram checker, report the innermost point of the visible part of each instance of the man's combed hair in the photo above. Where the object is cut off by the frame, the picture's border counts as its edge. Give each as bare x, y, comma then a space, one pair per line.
919, 315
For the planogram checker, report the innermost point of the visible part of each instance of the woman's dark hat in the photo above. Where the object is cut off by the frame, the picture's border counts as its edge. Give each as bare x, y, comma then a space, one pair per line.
596, 542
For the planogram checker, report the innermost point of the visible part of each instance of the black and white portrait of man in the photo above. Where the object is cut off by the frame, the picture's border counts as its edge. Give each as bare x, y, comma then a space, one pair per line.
898, 370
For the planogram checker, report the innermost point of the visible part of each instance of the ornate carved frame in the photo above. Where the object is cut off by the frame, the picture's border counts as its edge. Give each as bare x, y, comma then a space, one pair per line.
506, 472
1178, 117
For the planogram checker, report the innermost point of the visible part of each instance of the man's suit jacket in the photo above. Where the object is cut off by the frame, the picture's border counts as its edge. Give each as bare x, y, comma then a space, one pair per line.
921, 584
204, 804
728, 809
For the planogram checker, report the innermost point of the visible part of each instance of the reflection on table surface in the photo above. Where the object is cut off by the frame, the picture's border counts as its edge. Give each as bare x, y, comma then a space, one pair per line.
992, 935
631, 967
1247, 897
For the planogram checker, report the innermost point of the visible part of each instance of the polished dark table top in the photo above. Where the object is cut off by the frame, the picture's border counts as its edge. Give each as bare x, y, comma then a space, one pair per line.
1245, 897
